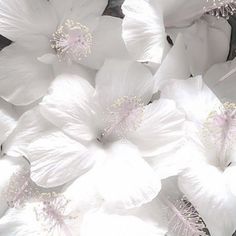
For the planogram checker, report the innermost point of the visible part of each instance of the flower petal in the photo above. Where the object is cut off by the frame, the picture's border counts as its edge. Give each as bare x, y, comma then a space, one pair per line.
68, 105
221, 79
120, 182
8, 119
175, 65
206, 189
193, 96
55, 158
105, 36
202, 40
100, 223
23, 78
161, 130
21, 19
143, 30
118, 78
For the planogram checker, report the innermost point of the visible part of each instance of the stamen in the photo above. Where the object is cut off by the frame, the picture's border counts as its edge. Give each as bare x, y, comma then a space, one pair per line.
72, 41
123, 116
50, 212
20, 189
220, 8
220, 131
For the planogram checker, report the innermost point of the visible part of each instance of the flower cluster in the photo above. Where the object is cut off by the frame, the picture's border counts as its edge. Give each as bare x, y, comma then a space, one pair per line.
117, 126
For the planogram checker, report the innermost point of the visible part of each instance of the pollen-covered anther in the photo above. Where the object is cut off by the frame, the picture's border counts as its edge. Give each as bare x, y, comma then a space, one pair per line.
72, 41
51, 212
220, 8
123, 116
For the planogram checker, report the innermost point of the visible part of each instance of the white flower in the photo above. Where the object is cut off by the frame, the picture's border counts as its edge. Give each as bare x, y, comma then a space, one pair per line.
74, 30
209, 181
85, 126
147, 24
76, 210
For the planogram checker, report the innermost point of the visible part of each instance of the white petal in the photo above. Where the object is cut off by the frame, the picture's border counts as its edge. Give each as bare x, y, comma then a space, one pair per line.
55, 158
99, 223
230, 176
123, 78
221, 79
143, 30
202, 40
8, 119
125, 180
175, 64
193, 96
23, 78
8, 167
68, 105
21, 19
182, 12
106, 35
87, 12
206, 189
161, 130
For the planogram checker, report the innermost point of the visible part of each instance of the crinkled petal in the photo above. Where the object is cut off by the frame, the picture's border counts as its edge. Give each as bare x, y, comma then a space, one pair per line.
193, 96
143, 30
206, 189
105, 36
22, 19
68, 105
124, 179
23, 78
55, 158
118, 78
230, 176
161, 130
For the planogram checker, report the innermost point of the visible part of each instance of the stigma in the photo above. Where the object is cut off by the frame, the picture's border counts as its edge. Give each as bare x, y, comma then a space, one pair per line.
72, 41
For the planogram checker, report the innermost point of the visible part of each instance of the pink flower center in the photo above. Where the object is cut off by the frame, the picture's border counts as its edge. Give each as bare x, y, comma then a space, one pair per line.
72, 41
123, 116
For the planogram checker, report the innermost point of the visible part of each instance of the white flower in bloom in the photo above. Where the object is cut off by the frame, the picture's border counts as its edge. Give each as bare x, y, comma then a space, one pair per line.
209, 181
76, 210
113, 126
147, 23
75, 31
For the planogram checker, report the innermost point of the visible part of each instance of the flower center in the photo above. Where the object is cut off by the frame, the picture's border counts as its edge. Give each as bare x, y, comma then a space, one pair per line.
72, 41
220, 131
51, 212
123, 116
221, 8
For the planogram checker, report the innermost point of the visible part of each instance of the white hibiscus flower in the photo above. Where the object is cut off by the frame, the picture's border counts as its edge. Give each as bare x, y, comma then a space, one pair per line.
74, 30
209, 182
113, 125
148, 22
76, 210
